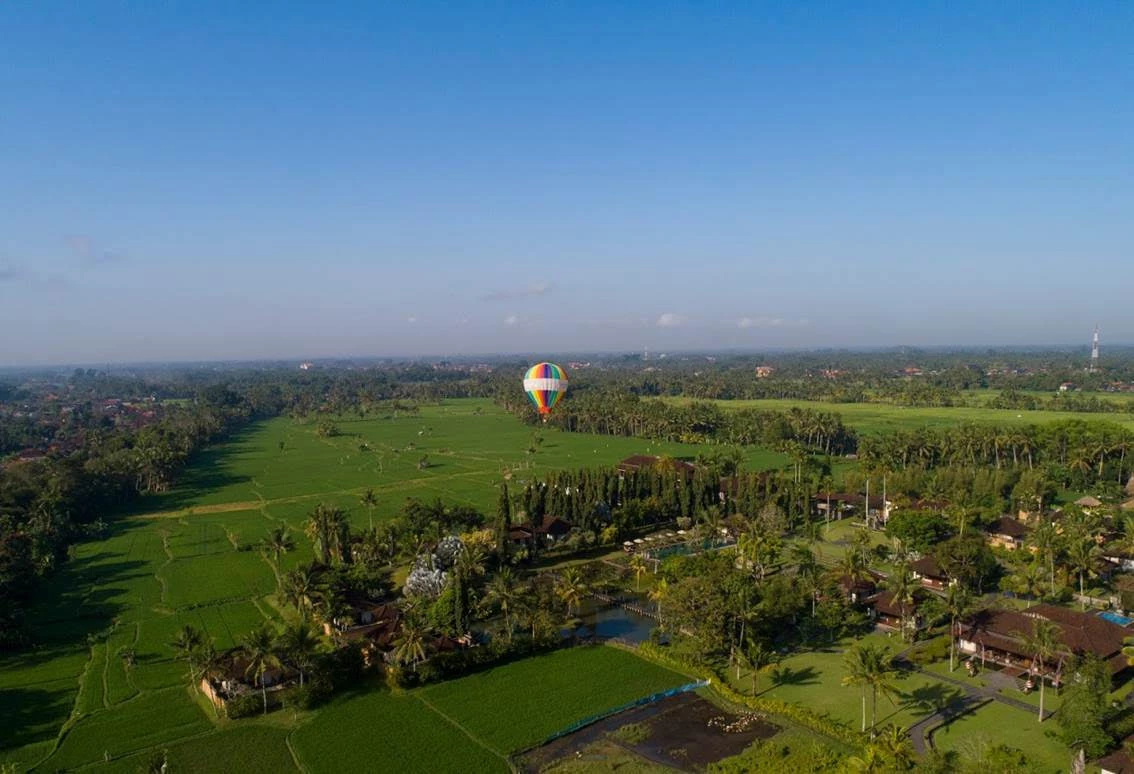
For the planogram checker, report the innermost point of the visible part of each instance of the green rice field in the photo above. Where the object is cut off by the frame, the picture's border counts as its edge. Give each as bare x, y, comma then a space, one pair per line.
885, 418
518, 705
472, 724
74, 701
471, 445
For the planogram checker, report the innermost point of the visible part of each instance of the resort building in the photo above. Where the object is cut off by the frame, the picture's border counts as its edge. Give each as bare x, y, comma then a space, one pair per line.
1008, 533
1000, 637
929, 572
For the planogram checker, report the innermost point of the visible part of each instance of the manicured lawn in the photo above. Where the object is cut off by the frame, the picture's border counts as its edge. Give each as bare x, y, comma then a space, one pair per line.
520, 704
1001, 724
1051, 699
376, 731
813, 679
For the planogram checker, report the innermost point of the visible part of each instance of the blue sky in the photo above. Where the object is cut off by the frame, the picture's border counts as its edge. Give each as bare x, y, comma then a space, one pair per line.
208, 181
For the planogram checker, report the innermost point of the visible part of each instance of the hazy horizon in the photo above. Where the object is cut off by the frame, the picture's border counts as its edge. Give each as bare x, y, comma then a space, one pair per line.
214, 183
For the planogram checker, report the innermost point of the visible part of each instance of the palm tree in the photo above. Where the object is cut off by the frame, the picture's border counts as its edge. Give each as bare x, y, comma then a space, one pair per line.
503, 594
1045, 539
277, 542
300, 588
1041, 643
638, 567
902, 584
329, 530
1028, 579
957, 603
853, 566
187, 642
1082, 554
569, 587
808, 571
891, 750
299, 643
369, 501
659, 593
409, 647
869, 666
259, 648
187, 647
207, 667
318, 531
756, 659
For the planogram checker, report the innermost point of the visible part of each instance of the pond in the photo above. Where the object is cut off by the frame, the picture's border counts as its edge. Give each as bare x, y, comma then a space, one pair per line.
607, 622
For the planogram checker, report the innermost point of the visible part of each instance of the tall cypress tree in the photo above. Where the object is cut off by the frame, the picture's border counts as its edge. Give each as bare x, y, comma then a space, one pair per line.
503, 522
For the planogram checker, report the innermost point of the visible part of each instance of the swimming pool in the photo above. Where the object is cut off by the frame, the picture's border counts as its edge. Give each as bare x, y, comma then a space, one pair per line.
1121, 620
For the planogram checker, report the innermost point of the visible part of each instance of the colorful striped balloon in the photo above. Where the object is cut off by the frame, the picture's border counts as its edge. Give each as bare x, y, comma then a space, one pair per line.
545, 384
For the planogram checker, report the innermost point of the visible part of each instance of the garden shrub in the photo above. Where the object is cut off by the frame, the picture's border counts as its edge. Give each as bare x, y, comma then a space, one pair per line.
244, 706
930, 651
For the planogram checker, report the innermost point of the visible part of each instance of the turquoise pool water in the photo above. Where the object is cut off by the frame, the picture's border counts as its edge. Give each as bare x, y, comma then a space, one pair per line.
1121, 620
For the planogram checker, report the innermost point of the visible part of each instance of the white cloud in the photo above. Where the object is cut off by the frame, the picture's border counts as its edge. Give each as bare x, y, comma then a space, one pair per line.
770, 322
670, 320
511, 319
411, 320
507, 294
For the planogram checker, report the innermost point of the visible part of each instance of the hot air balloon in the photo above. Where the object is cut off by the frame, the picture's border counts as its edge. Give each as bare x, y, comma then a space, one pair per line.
545, 384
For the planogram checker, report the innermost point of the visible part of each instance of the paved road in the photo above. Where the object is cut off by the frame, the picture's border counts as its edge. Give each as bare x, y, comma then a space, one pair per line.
975, 696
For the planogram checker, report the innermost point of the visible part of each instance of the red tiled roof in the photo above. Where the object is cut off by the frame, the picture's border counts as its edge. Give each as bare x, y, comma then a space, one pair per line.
927, 567
1118, 762
1006, 526
1078, 632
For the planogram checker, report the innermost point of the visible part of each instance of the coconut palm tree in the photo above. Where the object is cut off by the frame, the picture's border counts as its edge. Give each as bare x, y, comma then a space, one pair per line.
187, 642
808, 571
755, 658
189, 646
1082, 554
902, 584
369, 501
891, 750
329, 531
1041, 643
208, 666
957, 603
299, 644
259, 648
1045, 540
569, 587
639, 568
502, 593
300, 588
659, 593
409, 647
277, 542
869, 667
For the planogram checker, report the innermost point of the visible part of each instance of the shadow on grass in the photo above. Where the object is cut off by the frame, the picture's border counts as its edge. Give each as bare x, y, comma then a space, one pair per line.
785, 675
927, 699
206, 471
33, 714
